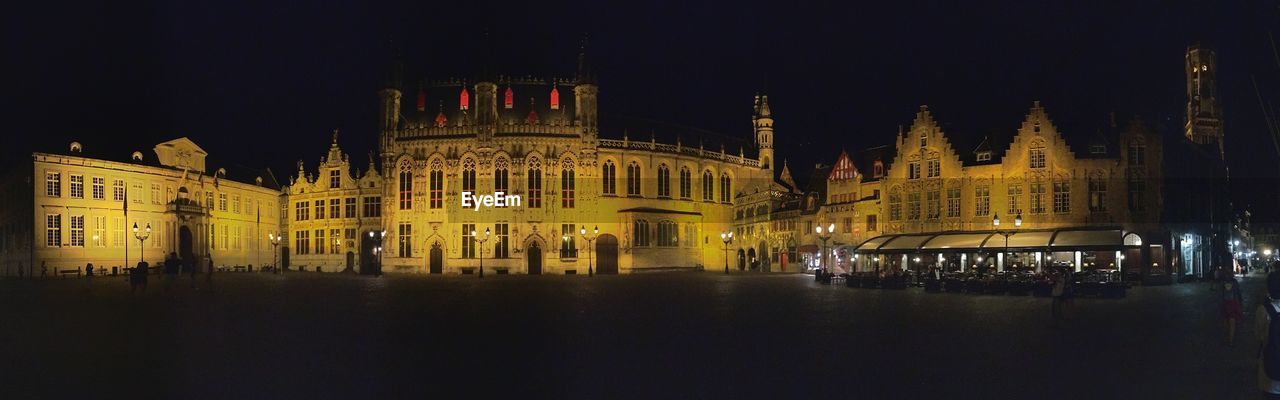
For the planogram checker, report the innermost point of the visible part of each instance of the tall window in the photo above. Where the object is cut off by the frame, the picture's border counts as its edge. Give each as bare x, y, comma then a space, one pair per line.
726, 188
633, 179
77, 186
664, 181
435, 183
1037, 158
77, 231
567, 191
117, 232
208, 199
568, 248
686, 184
708, 186
302, 242
667, 234
502, 235
335, 244
846, 225
335, 208
53, 184
690, 234
1037, 197
222, 199
982, 200
349, 208
609, 177
335, 179
895, 205
1097, 194
319, 209
235, 204
372, 207
99, 231
953, 202
1061, 197
53, 230
913, 170
155, 196
1015, 199
1137, 154
535, 183
933, 200
1137, 195
319, 239
877, 169
469, 175
468, 241
871, 223
404, 243
406, 186
641, 232
935, 167
913, 206
117, 190
99, 188
301, 210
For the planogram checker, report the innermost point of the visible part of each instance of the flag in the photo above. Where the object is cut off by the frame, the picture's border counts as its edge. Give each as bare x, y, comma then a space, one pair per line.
126, 204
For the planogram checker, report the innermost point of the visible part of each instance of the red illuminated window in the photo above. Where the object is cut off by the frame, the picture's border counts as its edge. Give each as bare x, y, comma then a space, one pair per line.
555, 98
422, 100
509, 100
464, 100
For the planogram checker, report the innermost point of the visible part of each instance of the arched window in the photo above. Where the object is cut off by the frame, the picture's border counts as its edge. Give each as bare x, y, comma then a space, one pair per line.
664, 181
500, 182
641, 232
509, 99
685, 184
877, 169
464, 99
535, 183
633, 179
668, 236
406, 185
555, 98
436, 184
567, 184
708, 186
726, 188
609, 178
469, 175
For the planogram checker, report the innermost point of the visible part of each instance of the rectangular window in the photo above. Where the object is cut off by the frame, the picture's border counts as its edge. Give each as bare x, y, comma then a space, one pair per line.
567, 191
468, 241
117, 232
935, 168
77, 231
372, 207
117, 190
319, 241
501, 234
335, 241
1137, 154
235, 238
1097, 195
319, 211
913, 206
99, 231
846, 225
302, 242
77, 186
871, 223
404, 240
933, 202
226, 236
208, 200
982, 201
895, 206
690, 234
222, 202
335, 208
136, 193
349, 207
301, 211
984, 156
667, 235
1015, 199
99, 188
953, 202
1137, 195
535, 188
913, 170
53, 230
335, 179
436, 186
1061, 197
1037, 158
155, 194
53, 184
1037, 197
568, 248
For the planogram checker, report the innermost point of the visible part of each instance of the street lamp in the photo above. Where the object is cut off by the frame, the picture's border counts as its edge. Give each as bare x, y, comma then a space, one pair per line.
822, 257
995, 224
486, 238
275, 251
142, 238
726, 237
595, 233
377, 250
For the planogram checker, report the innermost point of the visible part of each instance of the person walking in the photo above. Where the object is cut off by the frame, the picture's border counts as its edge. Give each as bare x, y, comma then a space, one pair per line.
208, 271
1267, 332
1230, 305
1059, 279
138, 277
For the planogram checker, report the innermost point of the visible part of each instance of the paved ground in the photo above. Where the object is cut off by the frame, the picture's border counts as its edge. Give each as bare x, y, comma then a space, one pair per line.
681, 335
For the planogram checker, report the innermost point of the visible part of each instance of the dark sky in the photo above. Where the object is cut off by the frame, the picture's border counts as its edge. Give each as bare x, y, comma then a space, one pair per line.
264, 83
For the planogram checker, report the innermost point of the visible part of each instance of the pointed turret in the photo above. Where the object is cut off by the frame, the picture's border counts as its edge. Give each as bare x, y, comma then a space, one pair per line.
584, 94
763, 121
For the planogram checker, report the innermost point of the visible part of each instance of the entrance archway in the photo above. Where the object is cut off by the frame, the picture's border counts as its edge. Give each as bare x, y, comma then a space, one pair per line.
535, 259
742, 260
607, 254
751, 259
437, 260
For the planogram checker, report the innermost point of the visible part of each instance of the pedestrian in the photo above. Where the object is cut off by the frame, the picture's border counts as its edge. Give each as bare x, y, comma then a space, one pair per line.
1059, 279
44, 270
1267, 331
138, 277
1230, 305
88, 270
170, 270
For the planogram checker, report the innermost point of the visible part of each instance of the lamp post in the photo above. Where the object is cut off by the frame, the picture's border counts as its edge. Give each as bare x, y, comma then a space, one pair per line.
822, 257
377, 250
275, 251
486, 238
995, 224
142, 238
595, 233
726, 237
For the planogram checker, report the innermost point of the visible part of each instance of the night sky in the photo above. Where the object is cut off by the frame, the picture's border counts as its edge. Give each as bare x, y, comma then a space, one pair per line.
264, 83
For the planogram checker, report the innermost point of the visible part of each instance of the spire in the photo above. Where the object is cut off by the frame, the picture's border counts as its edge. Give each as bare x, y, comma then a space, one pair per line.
422, 98
764, 106
785, 176
395, 71
335, 137
585, 76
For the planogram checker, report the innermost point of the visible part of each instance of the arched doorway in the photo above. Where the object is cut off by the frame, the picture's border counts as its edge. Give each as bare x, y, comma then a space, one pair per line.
742, 260
607, 254
351, 260
764, 257
534, 252
752, 260
437, 259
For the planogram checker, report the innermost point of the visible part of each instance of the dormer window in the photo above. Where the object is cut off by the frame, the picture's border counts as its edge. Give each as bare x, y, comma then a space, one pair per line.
924, 141
877, 169
555, 98
984, 156
1037, 158
1098, 149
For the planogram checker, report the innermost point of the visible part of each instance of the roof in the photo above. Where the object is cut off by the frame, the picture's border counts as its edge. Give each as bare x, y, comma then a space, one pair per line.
1060, 239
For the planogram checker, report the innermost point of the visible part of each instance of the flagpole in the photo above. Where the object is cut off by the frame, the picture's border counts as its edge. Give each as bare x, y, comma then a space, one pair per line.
126, 222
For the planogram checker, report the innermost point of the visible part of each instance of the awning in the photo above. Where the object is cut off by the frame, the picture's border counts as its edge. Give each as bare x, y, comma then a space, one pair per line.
874, 243
957, 241
1021, 239
1086, 239
808, 248
906, 242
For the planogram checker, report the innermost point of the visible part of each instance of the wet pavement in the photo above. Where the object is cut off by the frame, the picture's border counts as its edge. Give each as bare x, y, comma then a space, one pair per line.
699, 335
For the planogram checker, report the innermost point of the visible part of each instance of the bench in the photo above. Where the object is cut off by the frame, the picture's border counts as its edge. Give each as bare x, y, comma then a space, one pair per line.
64, 272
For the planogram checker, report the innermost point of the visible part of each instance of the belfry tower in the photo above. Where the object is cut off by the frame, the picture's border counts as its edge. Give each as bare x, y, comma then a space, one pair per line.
762, 120
1204, 114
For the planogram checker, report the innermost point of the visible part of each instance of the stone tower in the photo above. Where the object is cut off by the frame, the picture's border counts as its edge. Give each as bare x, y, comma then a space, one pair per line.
1204, 114
389, 109
762, 119
584, 94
